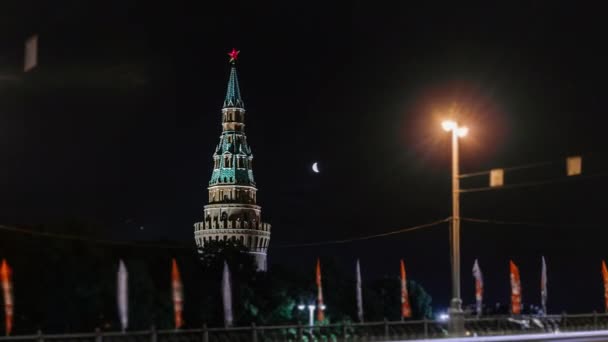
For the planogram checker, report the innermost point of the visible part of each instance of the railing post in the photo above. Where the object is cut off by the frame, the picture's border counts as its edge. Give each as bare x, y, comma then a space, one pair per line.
98, 337
300, 332
205, 333
426, 328
564, 319
594, 319
254, 334
344, 332
153, 336
385, 329
40, 337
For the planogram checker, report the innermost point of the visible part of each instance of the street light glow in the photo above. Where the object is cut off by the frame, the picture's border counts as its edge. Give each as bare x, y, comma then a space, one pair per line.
301, 307
448, 125
462, 131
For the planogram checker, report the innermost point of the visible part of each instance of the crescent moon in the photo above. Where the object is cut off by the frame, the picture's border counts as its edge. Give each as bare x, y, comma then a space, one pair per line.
315, 167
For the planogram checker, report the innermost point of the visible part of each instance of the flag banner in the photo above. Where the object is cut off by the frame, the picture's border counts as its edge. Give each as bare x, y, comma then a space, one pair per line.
406, 310
497, 177
574, 165
605, 277
7, 292
543, 286
515, 289
122, 296
227, 296
478, 287
178, 295
320, 305
359, 294
30, 59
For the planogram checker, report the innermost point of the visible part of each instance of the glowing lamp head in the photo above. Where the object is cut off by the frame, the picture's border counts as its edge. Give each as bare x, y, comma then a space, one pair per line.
444, 317
301, 307
448, 125
323, 307
462, 131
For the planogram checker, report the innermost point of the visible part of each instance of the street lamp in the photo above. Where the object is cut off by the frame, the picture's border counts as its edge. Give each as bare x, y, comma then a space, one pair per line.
456, 321
311, 312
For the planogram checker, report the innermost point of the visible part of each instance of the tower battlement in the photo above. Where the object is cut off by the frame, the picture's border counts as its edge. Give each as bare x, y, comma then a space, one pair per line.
233, 224
233, 212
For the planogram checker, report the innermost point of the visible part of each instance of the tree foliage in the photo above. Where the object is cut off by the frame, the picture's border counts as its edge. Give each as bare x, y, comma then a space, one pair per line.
70, 286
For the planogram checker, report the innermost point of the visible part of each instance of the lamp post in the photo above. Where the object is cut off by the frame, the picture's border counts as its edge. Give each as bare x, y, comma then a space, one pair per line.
456, 321
311, 313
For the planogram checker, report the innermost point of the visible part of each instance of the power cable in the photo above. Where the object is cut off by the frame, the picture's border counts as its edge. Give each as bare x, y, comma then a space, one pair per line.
526, 184
512, 168
368, 237
524, 223
91, 240
183, 246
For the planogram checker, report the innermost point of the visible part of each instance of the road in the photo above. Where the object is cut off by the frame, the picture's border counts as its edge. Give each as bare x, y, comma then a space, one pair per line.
578, 336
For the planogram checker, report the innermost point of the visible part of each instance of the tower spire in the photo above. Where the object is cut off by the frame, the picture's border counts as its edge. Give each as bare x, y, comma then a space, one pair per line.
233, 93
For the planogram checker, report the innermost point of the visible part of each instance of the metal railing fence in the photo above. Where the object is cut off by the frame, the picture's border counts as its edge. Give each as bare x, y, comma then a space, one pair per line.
346, 332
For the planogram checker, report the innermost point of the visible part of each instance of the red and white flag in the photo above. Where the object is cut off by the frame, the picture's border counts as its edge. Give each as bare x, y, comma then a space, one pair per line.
543, 286
178, 295
320, 305
7, 291
605, 277
515, 289
478, 286
406, 310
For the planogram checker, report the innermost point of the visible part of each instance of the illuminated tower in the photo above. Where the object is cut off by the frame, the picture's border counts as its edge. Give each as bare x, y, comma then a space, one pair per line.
232, 212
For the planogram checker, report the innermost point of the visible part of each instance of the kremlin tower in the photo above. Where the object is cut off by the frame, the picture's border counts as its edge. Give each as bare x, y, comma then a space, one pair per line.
232, 212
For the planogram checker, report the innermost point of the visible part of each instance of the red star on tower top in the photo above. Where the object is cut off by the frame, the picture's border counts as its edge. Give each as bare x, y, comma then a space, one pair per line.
233, 55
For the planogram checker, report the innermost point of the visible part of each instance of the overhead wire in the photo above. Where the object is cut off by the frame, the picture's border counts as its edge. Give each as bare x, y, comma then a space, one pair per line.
368, 237
295, 245
527, 223
167, 246
534, 183
511, 168
35, 233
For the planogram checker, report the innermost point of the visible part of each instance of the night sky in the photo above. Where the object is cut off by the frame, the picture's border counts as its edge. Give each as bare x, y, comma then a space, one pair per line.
118, 124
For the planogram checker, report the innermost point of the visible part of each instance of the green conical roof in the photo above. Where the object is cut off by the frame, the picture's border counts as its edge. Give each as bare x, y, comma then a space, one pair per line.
233, 93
